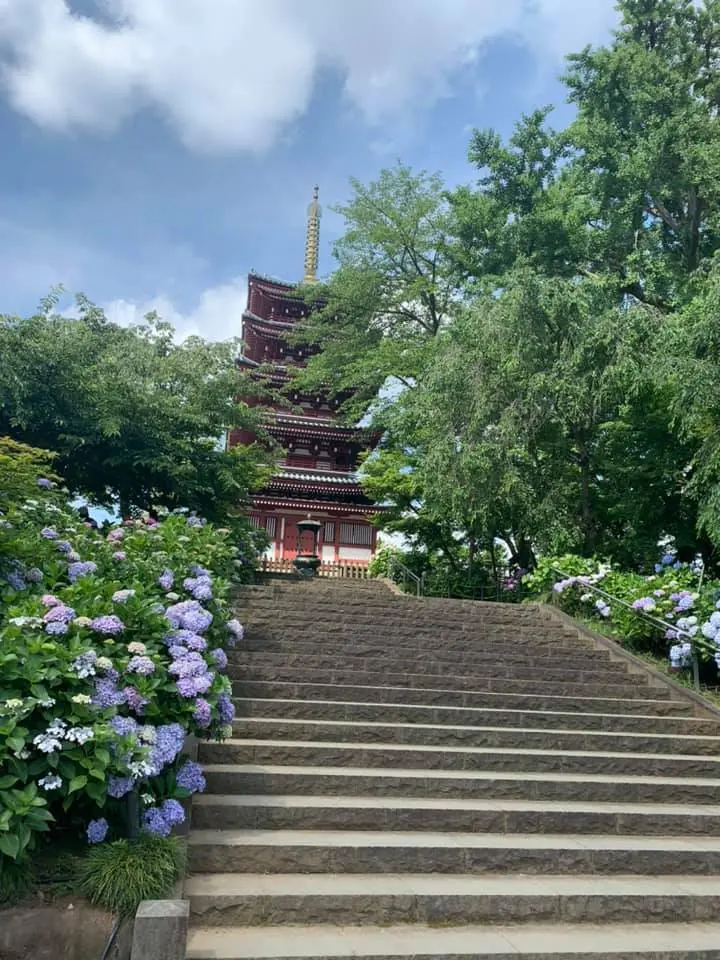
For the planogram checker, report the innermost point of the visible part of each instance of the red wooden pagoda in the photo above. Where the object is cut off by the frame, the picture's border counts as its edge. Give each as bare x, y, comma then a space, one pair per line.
316, 478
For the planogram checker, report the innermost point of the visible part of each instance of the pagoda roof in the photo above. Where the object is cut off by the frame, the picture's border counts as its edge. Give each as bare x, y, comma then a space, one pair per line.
269, 321
308, 506
272, 282
310, 475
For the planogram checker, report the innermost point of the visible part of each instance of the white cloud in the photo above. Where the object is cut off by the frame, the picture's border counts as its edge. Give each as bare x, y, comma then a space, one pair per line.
231, 74
217, 315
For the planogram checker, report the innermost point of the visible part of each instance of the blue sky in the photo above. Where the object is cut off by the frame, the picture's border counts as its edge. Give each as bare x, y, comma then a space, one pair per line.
154, 151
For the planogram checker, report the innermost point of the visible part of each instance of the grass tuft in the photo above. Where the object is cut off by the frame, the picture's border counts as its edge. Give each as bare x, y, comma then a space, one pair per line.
17, 879
120, 875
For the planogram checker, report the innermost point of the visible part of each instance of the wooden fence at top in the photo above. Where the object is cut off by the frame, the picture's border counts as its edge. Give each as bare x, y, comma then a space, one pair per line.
342, 569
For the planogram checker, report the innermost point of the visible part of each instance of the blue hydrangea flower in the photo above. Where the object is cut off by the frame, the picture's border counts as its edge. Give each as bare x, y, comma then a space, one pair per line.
155, 822
124, 726
64, 546
119, 786
226, 709
34, 575
166, 580
172, 811
190, 777
49, 533
108, 695
134, 699
220, 658
203, 713
44, 483
97, 830
81, 568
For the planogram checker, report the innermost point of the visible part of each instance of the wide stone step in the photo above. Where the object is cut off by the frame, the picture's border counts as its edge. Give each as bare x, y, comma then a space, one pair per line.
362, 620
422, 814
334, 625
302, 752
434, 696
530, 941
457, 650
559, 672
475, 682
366, 731
338, 851
253, 899
343, 710
366, 613
456, 784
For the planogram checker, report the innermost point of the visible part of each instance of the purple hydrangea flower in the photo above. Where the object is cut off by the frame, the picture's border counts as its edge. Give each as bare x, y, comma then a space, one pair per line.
226, 708
59, 612
203, 713
199, 587
134, 699
141, 665
189, 665
176, 651
56, 629
193, 686
49, 533
97, 830
166, 580
108, 695
172, 811
197, 571
195, 522
155, 822
48, 600
124, 726
44, 483
108, 625
34, 575
220, 658
81, 569
64, 546
119, 555
236, 631
119, 786
190, 777
189, 615
115, 535
72, 557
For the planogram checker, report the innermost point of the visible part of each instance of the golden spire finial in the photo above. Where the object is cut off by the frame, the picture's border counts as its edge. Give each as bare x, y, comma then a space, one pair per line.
312, 239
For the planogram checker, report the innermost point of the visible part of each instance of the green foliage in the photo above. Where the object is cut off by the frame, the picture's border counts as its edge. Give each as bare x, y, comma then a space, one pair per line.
131, 415
120, 875
540, 348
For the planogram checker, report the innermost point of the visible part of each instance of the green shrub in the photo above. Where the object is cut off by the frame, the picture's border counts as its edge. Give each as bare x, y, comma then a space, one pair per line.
120, 875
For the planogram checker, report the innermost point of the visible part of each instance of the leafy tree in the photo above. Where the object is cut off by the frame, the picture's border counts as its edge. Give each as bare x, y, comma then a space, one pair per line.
132, 415
394, 290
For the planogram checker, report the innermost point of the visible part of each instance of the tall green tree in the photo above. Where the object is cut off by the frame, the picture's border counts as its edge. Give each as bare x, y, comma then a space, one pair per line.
133, 416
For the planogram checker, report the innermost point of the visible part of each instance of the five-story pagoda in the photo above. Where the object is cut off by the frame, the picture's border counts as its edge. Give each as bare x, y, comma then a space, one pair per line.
316, 478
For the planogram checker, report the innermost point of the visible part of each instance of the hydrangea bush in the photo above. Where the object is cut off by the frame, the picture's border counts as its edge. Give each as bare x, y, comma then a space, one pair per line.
112, 651
676, 593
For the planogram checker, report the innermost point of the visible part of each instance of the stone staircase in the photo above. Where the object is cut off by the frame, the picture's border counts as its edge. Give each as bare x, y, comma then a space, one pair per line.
447, 779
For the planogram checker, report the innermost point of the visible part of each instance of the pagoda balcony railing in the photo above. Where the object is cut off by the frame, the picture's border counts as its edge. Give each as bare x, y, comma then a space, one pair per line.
336, 570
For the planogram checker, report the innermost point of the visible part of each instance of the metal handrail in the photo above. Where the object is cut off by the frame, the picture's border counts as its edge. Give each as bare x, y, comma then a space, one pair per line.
407, 573
655, 621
